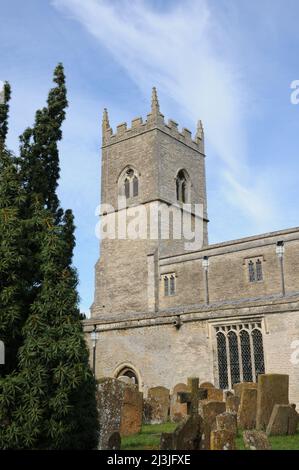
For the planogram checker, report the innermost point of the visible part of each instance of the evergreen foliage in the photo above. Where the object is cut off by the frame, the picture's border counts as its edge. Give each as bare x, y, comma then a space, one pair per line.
47, 393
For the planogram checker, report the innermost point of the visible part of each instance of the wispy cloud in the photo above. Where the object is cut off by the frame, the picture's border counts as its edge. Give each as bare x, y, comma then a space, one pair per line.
185, 52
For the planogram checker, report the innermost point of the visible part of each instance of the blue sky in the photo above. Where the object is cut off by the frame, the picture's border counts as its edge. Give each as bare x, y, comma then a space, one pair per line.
227, 62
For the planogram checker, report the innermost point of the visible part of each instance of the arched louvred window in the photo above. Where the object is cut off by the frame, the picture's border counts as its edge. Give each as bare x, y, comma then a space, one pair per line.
246, 356
259, 270
251, 271
172, 285
135, 186
166, 286
128, 183
127, 188
234, 357
182, 187
258, 351
222, 360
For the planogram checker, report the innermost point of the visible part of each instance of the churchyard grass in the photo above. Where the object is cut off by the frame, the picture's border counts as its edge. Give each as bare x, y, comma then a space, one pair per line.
149, 438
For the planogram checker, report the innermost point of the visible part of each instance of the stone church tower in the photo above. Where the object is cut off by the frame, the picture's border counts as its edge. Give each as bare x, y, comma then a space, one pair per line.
165, 311
150, 164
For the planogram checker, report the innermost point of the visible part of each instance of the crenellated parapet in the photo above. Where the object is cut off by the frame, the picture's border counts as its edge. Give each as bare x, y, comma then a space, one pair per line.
155, 120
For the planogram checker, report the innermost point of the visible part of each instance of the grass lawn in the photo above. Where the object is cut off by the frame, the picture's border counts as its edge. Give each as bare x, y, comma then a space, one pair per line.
149, 439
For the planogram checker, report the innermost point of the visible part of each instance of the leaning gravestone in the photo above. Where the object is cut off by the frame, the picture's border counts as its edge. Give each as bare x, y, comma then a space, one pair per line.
283, 421
256, 440
272, 389
247, 409
178, 410
158, 402
120, 410
186, 436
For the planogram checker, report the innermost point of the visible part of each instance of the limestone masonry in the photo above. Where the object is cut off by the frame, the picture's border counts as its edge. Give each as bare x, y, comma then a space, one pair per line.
225, 312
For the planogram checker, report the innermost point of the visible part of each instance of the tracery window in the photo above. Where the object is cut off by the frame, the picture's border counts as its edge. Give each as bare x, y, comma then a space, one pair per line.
240, 353
129, 183
169, 284
182, 186
255, 270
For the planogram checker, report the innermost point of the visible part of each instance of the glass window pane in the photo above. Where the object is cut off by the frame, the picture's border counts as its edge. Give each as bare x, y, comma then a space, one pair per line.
234, 357
222, 360
246, 356
259, 270
258, 351
166, 286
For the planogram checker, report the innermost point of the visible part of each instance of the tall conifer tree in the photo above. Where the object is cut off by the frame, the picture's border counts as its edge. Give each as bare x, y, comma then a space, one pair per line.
49, 401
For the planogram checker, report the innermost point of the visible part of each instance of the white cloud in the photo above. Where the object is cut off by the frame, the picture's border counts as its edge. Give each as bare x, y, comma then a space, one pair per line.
187, 55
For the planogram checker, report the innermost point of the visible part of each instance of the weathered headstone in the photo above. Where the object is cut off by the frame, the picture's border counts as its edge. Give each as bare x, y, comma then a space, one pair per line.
293, 421
227, 421
191, 397
215, 394
208, 410
207, 385
131, 416
272, 389
114, 441
222, 440
247, 409
256, 440
120, 409
186, 436
232, 404
239, 387
178, 410
157, 403
283, 421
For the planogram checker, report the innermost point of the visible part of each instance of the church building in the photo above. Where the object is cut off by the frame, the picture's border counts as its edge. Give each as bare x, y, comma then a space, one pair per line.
166, 309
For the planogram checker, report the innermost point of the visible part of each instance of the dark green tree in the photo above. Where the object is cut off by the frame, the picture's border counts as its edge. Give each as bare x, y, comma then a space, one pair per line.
12, 251
48, 402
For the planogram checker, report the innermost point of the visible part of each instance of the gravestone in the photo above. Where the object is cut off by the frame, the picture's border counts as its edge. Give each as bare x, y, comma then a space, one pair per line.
114, 441
256, 440
207, 385
208, 410
157, 403
131, 416
247, 409
227, 421
212, 393
272, 389
178, 410
222, 440
120, 409
283, 421
240, 386
215, 394
232, 404
186, 436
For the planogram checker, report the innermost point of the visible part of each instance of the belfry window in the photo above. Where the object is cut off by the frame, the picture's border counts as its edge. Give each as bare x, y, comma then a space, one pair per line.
255, 270
169, 284
129, 183
240, 353
182, 187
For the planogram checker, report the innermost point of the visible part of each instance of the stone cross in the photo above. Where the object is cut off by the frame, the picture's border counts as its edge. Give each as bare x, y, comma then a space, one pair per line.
191, 397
